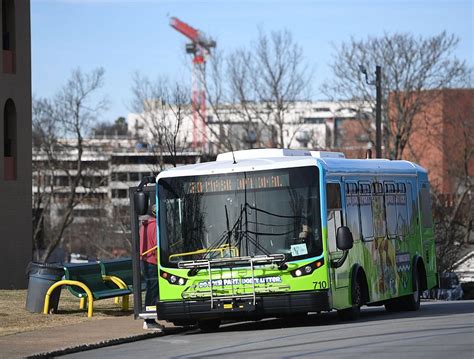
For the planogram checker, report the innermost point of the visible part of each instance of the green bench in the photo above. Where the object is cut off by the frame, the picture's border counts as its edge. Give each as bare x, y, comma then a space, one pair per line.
120, 268
86, 281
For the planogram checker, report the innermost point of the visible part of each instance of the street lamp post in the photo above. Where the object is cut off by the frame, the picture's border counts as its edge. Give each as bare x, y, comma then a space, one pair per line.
378, 106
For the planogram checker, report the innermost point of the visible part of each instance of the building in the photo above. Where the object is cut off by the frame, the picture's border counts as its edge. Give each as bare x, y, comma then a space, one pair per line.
337, 125
442, 139
111, 165
15, 143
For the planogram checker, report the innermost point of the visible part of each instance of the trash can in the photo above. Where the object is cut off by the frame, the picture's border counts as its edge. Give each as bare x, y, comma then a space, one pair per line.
41, 277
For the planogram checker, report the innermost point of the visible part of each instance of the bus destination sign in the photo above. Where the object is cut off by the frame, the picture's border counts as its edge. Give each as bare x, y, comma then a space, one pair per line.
213, 184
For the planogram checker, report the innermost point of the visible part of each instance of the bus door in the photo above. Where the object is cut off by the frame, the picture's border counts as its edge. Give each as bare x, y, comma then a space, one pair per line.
335, 219
143, 205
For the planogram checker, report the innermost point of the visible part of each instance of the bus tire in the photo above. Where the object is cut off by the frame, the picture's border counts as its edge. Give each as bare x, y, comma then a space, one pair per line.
209, 325
353, 313
394, 305
412, 301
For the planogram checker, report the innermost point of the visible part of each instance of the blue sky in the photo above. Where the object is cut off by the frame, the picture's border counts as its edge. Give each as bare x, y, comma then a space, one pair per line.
125, 36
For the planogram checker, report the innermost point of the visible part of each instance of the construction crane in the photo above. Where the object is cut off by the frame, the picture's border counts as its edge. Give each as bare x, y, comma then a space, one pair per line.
200, 47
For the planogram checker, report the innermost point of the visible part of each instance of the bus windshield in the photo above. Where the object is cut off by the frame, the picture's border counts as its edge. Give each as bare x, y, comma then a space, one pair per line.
240, 214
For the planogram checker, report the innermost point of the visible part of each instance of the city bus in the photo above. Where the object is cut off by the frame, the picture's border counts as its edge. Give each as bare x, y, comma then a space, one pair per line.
279, 232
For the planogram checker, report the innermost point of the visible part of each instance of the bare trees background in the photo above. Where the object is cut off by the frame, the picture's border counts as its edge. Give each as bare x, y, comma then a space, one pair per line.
163, 105
255, 88
68, 115
410, 65
454, 211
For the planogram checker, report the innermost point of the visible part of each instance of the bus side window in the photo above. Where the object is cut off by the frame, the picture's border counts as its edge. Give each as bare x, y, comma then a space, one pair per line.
365, 203
378, 210
391, 209
334, 213
352, 209
410, 209
402, 213
426, 206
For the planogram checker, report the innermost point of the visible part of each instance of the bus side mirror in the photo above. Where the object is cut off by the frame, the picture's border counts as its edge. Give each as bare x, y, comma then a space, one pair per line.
141, 203
344, 240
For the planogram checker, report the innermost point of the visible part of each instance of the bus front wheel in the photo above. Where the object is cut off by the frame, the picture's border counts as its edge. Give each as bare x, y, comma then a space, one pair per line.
353, 312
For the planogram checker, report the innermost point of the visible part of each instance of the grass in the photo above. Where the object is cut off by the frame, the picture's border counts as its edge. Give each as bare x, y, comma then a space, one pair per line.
14, 318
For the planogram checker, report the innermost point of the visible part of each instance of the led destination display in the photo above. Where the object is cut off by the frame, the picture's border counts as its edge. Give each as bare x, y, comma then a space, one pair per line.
234, 183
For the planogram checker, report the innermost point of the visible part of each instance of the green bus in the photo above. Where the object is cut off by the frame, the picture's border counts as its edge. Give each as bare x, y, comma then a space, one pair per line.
278, 232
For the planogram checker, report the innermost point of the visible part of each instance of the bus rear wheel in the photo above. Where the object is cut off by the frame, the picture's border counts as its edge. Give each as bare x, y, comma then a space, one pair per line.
409, 302
209, 325
394, 305
412, 301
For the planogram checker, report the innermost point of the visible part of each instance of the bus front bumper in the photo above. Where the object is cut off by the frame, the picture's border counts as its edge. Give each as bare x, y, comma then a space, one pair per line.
265, 306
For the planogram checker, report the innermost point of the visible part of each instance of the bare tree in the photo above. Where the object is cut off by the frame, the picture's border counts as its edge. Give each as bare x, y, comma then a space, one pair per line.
410, 65
254, 88
162, 107
59, 127
279, 75
453, 204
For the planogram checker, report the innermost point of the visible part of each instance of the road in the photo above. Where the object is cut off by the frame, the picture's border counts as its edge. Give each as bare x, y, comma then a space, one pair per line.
438, 330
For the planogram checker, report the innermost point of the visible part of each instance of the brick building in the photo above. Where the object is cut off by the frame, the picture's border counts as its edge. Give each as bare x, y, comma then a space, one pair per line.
442, 140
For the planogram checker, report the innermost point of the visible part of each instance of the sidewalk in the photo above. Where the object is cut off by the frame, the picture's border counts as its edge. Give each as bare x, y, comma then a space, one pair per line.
72, 338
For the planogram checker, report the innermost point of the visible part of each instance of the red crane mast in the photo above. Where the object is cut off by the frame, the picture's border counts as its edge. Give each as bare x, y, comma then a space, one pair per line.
200, 47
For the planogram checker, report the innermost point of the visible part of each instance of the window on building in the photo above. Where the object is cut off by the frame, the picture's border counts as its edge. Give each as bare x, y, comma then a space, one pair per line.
119, 193
314, 120
122, 176
62, 181
89, 212
9, 141
8, 36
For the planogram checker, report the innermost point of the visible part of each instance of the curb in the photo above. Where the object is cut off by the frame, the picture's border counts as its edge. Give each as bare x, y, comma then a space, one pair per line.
105, 343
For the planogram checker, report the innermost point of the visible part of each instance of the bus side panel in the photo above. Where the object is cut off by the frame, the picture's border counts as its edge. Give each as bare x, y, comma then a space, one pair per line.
387, 260
426, 228
374, 255
407, 244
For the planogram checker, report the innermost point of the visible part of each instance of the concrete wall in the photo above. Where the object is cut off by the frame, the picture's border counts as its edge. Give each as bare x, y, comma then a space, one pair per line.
15, 195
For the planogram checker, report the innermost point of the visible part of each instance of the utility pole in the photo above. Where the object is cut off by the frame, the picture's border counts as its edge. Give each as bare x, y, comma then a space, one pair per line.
378, 106
378, 112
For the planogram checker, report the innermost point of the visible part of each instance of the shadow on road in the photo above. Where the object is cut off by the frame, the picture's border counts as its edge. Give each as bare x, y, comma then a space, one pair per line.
368, 316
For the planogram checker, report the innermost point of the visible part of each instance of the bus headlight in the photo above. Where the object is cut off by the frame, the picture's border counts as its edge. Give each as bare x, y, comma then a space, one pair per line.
172, 278
307, 269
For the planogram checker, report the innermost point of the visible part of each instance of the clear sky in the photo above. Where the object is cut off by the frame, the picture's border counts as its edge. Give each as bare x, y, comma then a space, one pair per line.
125, 36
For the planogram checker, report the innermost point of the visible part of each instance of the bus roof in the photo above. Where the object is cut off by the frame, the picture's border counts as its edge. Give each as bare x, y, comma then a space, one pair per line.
265, 159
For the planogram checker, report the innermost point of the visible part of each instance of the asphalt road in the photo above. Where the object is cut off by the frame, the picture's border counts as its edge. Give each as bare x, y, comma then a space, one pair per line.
438, 330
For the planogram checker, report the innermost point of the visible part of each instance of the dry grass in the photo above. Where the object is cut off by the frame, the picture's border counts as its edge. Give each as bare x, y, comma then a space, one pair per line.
14, 318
